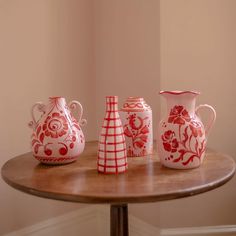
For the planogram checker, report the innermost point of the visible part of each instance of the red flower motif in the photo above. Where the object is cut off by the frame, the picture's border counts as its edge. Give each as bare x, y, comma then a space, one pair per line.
170, 143
178, 115
55, 125
135, 122
196, 129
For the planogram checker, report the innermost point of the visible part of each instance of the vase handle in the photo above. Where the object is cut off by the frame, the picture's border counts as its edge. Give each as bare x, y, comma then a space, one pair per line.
72, 105
212, 118
41, 108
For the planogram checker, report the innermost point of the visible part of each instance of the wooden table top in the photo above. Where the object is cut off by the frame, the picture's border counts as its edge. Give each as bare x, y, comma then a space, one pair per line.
145, 181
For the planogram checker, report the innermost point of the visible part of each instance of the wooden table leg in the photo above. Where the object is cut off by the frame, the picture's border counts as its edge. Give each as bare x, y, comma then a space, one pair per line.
119, 220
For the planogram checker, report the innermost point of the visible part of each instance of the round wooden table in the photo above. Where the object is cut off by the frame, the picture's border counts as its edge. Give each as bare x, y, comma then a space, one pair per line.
145, 181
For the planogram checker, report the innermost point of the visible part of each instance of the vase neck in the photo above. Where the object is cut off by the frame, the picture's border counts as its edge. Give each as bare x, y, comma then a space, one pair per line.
57, 101
187, 105
111, 103
187, 100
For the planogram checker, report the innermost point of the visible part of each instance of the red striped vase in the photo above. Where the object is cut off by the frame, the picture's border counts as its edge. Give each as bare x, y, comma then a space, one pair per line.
112, 157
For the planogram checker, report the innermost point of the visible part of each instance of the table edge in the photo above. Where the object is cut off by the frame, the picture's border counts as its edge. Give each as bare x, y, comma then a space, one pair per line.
113, 200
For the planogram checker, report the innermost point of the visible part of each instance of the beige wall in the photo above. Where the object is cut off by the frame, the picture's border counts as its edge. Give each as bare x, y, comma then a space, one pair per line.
87, 49
198, 51
45, 49
126, 51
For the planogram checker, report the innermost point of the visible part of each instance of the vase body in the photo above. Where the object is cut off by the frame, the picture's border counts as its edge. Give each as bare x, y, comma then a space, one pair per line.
136, 118
57, 136
182, 137
112, 157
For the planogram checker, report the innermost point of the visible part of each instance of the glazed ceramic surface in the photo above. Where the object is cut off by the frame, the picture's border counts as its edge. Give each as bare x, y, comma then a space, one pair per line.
57, 136
112, 157
182, 137
136, 118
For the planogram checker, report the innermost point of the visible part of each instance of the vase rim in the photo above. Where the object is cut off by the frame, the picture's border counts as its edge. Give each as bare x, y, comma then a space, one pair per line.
135, 98
179, 92
55, 97
112, 96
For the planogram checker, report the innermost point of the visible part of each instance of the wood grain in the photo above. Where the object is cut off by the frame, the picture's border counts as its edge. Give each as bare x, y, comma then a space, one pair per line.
145, 181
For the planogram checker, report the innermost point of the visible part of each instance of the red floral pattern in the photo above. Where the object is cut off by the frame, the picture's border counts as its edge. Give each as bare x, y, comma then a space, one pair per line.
59, 128
178, 115
55, 125
170, 143
137, 130
186, 144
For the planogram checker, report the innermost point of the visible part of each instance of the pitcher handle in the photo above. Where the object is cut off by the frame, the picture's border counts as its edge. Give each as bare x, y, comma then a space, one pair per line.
72, 105
41, 108
212, 118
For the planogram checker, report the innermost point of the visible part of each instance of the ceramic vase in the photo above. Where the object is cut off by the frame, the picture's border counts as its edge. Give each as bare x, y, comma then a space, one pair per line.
136, 118
57, 137
112, 157
182, 137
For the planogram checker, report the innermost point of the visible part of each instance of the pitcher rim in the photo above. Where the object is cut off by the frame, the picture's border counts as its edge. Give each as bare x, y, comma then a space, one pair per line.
178, 92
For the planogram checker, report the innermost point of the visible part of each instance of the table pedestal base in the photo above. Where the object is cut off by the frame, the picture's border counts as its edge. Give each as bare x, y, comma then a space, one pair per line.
119, 220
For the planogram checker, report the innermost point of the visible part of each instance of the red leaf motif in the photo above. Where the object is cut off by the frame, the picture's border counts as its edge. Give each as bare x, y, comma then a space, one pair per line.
196, 146
38, 130
189, 159
76, 126
41, 138
144, 130
36, 148
139, 144
143, 138
185, 136
127, 132
180, 158
34, 141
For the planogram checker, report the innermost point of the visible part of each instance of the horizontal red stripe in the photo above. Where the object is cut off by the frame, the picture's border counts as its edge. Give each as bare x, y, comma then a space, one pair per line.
112, 135
115, 151
111, 158
110, 173
55, 159
110, 102
109, 143
109, 119
106, 166
112, 127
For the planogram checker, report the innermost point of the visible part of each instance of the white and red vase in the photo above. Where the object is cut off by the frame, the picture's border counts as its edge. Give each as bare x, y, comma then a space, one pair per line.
136, 118
112, 157
57, 136
182, 137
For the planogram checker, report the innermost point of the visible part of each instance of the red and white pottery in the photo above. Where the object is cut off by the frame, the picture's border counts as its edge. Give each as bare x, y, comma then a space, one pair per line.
136, 118
182, 137
112, 157
57, 136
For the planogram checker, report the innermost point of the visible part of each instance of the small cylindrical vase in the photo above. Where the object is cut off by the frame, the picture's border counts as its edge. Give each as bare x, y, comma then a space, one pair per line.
136, 118
112, 156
